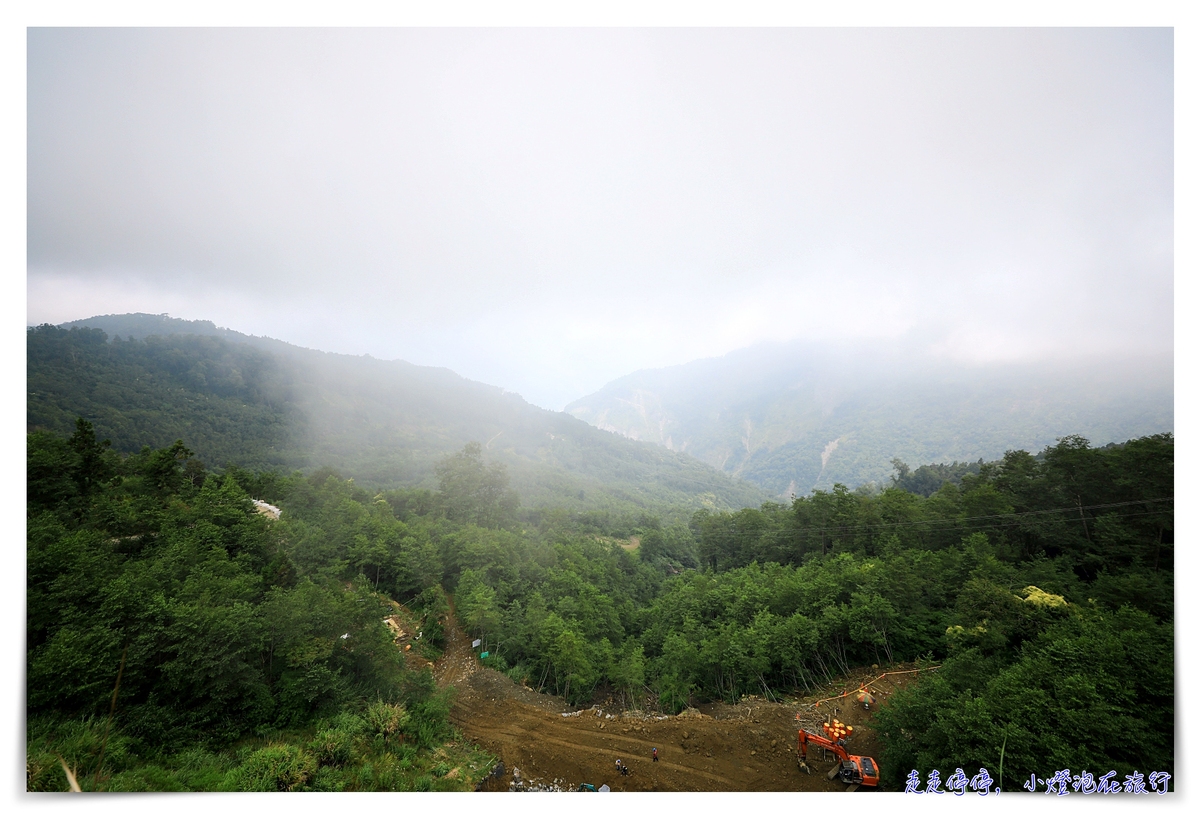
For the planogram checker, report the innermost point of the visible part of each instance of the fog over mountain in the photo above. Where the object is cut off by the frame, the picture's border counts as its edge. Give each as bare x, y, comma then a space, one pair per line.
786, 417
551, 209
259, 403
800, 416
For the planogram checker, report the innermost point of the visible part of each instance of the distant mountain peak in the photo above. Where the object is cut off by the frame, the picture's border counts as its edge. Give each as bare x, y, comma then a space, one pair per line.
795, 417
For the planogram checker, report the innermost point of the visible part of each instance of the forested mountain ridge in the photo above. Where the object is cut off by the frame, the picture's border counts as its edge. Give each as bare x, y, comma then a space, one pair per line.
794, 417
265, 404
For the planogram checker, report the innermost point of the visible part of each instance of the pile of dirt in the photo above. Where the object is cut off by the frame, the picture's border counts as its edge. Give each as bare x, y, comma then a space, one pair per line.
750, 746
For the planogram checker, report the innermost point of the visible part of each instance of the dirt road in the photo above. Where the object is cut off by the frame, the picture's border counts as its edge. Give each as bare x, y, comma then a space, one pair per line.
746, 747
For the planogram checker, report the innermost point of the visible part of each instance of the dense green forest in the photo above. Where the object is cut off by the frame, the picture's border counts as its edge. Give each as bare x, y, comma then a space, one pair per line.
265, 404
792, 417
251, 655
173, 644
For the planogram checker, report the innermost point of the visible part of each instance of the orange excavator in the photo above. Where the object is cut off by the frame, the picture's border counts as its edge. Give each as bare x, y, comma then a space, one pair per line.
854, 771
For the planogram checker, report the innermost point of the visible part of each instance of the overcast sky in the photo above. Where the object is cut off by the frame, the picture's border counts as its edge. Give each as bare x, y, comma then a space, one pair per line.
549, 209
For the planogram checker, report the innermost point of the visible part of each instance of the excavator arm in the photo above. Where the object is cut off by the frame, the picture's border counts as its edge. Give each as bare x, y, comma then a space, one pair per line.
806, 737
852, 770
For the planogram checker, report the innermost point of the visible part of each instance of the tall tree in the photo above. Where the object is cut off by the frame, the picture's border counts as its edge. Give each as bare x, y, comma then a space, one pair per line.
476, 492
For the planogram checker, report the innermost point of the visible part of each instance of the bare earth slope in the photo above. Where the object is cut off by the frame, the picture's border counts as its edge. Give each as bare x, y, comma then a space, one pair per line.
745, 747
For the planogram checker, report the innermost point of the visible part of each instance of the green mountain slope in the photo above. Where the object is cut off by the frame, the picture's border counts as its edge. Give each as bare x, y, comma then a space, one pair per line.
791, 418
262, 403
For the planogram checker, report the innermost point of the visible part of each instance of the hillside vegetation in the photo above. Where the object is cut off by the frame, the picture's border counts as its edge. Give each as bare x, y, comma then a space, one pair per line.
264, 404
793, 417
179, 639
250, 653
173, 643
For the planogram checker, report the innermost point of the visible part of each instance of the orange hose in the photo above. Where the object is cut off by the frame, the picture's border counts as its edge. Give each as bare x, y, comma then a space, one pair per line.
844, 694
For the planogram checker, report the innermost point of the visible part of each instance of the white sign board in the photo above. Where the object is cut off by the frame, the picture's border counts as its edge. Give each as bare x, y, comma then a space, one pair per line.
477, 643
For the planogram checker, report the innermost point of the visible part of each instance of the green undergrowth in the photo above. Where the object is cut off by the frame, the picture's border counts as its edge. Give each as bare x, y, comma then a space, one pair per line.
382, 748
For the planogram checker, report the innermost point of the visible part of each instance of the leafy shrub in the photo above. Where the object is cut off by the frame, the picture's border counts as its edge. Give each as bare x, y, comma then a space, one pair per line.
385, 721
427, 723
328, 779
277, 768
349, 722
389, 776
519, 673
333, 747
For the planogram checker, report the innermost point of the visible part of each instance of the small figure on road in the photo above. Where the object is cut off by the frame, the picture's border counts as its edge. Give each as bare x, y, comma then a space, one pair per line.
655, 754
618, 765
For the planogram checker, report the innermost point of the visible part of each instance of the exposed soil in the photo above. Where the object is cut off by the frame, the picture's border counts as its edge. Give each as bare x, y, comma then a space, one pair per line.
545, 744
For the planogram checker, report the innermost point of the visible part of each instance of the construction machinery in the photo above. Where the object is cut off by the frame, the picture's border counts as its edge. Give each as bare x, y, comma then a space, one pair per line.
854, 771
